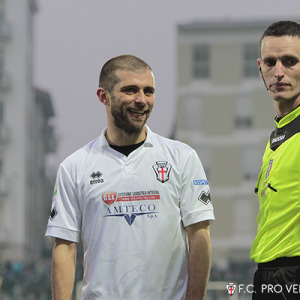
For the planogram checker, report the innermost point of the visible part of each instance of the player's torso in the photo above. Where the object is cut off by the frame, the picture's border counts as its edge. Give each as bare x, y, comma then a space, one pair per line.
131, 225
132, 188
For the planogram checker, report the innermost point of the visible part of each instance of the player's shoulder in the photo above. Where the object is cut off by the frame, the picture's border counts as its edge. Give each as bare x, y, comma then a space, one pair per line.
169, 142
81, 155
171, 145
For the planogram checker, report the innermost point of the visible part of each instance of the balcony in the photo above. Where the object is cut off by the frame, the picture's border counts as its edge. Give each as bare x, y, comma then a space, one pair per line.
5, 29
4, 133
4, 186
4, 236
49, 139
4, 81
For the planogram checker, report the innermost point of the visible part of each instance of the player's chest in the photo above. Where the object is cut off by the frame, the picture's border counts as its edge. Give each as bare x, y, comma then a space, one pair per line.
130, 179
144, 189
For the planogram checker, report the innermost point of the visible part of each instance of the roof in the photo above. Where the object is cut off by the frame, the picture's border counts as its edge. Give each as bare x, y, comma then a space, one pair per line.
226, 25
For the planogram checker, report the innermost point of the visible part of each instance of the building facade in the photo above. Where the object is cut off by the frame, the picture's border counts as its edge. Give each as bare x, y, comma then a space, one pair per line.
26, 138
225, 113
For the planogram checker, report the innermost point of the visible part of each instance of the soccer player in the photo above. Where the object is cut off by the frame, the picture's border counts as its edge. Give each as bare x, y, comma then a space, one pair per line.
276, 247
139, 202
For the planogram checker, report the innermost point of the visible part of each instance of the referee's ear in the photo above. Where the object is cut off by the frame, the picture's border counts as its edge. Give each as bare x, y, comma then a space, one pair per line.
103, 96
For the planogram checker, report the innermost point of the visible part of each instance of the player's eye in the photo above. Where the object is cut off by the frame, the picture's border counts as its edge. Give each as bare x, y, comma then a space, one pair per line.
129, 90
149, 91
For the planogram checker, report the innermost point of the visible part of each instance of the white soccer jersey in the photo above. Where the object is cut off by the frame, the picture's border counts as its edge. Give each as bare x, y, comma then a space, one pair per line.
130, 213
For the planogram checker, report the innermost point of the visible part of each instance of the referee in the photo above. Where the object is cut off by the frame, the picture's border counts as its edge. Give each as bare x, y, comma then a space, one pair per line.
276, 247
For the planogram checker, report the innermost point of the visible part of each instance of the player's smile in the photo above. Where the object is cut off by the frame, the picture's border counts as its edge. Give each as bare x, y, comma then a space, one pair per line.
138, 114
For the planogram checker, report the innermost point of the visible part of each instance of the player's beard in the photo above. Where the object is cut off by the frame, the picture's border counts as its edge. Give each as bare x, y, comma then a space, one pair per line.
122, 120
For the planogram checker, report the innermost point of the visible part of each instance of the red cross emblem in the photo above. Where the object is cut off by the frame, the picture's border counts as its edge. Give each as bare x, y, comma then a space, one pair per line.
231, 287
162, 170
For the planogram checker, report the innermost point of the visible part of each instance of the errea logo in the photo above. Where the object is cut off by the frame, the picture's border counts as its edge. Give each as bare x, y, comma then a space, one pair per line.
96, 177
204, 197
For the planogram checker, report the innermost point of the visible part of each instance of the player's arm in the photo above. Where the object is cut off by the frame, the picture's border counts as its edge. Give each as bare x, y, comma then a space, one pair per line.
63, 269
199, 260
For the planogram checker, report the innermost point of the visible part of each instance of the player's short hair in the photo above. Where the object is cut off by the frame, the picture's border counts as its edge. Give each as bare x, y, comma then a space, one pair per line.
108, 77
281, 28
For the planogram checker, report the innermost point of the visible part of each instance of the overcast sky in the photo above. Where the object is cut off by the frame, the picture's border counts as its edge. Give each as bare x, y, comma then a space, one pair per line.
74, 38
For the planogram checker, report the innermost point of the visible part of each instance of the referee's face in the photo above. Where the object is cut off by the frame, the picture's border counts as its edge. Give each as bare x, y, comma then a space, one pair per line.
280, 68
132, 100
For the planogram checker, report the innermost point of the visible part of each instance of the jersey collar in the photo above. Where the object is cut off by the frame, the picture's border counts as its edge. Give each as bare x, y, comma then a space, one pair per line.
148, 142
288, 118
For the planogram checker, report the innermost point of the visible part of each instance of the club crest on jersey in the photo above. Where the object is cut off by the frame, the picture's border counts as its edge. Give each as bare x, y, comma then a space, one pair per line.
109, 198
162, 170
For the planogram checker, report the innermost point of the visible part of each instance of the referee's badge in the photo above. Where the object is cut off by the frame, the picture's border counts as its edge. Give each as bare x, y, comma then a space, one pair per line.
269, 168
162, 170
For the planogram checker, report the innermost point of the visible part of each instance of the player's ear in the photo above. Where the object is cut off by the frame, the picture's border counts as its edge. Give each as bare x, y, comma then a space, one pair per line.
103, 95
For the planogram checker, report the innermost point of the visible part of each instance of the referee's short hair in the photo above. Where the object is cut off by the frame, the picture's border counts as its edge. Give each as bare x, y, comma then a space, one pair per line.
281, 28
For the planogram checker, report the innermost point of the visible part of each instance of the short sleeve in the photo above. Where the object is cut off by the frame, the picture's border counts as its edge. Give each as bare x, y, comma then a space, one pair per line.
65, 217
195, 199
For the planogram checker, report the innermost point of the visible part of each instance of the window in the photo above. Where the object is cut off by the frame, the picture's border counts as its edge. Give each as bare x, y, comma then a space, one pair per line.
1, 8
251, 162
1, 113
243, 122
250, 61
1, 66
201, 62
1, 16
192, 113
243, 111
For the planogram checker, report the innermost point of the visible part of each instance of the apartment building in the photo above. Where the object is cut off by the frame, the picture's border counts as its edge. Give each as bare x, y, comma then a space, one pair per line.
225, 113
26, 138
